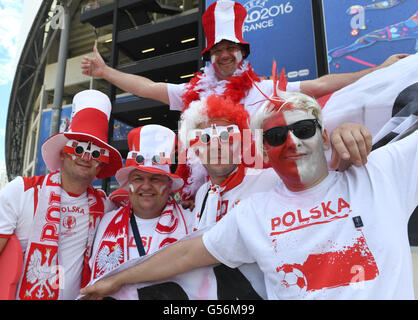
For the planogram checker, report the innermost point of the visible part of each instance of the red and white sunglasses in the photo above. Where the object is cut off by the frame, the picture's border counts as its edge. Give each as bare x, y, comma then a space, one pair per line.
83, 149
224, 134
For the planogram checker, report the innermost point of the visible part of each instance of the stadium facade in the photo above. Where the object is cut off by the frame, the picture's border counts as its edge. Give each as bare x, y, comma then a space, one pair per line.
159, 39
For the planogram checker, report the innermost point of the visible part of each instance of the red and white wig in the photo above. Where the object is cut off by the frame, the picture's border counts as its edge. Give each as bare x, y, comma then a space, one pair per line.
200, 113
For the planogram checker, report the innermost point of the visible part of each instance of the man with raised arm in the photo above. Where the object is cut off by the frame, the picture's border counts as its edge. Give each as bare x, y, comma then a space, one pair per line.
227, 73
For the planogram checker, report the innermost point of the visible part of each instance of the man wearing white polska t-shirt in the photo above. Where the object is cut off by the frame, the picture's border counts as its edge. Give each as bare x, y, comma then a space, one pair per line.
320, 234
55, 216
217, 131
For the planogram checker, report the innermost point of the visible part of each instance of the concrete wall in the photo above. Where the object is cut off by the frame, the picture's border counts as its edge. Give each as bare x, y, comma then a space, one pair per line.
73, 74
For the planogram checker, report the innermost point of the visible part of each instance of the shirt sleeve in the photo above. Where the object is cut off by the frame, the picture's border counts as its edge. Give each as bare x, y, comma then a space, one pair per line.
267, 86
175, 91
10, 206
398, 161
224, 240
293, 86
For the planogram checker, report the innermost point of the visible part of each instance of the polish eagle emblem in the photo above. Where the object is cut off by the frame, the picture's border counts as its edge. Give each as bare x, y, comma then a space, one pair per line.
43, 275
108, 260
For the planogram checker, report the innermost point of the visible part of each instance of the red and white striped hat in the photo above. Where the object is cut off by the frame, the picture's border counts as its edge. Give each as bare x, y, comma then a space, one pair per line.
223, 20
151, 149
89, 123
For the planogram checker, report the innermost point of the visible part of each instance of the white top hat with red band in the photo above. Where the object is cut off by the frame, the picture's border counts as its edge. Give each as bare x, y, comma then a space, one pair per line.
152, 149
223, 20
89, 123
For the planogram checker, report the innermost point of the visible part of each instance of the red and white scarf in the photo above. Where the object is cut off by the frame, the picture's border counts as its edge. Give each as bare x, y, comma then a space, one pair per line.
113, 248
213, 211
235, 87
41, 270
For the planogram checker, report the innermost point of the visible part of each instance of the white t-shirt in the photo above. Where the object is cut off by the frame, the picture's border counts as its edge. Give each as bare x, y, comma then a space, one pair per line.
16, 217
251, 102
195, 283
307, 243
253, 182
146, 230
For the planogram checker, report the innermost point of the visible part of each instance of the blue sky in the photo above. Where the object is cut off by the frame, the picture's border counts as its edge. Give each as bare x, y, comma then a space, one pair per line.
4, 105
10, 27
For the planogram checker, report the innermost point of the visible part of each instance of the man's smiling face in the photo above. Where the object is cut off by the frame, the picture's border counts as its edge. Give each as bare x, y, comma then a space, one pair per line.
219, 158
226, 57
80, 168
299, 162
148, 193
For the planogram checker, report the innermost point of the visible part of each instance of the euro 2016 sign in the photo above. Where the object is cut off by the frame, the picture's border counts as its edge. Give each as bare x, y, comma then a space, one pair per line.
282, 31
264, 18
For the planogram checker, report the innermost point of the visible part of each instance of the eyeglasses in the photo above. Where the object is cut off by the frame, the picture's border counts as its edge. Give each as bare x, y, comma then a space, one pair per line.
135, 158
217, 50
81, 149
223, 133
303, 129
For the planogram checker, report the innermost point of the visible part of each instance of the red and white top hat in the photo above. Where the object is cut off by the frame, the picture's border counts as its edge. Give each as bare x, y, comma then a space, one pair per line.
89, 123
223, 20
152, 149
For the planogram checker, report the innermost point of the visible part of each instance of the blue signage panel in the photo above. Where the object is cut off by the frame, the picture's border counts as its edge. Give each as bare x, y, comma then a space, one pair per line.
282, 31
44, 133
363, 33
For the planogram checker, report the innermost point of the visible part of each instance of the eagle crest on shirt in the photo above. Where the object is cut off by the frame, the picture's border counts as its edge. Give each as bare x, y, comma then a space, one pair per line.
108, 260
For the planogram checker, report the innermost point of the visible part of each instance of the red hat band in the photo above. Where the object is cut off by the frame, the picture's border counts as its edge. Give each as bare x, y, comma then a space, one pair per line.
92, 122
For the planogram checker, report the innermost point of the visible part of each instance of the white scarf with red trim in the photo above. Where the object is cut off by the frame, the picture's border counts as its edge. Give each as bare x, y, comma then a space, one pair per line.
213, 211
113, 249
42, 273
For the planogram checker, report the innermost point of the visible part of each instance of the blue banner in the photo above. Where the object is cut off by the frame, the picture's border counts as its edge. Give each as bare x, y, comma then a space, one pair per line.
44, 133
363, 33
282, 31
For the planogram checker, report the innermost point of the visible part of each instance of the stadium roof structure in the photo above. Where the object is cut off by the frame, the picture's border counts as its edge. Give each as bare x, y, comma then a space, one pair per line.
26, 87
121, 28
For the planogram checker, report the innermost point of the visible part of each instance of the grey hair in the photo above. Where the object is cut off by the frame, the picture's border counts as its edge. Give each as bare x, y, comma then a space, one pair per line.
298, 101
